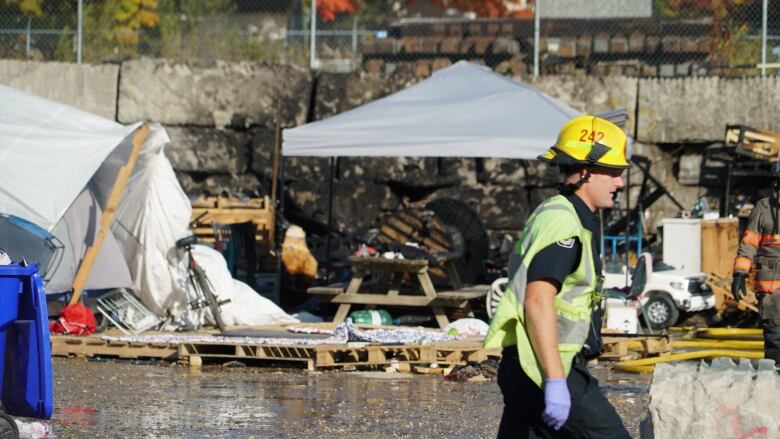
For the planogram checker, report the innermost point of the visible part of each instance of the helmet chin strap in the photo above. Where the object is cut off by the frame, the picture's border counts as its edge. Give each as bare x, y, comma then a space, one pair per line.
571, 187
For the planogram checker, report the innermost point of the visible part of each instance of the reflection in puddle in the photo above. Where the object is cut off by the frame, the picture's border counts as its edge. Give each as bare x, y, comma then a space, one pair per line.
81, 416
171, 401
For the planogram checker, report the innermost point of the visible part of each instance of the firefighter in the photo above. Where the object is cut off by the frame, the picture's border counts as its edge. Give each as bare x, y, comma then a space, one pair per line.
760, 245
544, 322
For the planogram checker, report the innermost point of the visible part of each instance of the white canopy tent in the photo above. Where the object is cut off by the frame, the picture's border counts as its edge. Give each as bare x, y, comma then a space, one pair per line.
465, 110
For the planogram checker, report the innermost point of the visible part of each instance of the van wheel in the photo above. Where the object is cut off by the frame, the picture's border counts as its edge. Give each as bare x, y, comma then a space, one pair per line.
660, 312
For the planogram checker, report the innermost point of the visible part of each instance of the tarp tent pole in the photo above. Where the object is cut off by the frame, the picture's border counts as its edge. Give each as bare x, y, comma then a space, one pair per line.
139, 137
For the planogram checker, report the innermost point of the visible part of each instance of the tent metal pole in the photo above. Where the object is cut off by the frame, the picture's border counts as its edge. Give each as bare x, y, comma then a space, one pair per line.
330, 217
628, 219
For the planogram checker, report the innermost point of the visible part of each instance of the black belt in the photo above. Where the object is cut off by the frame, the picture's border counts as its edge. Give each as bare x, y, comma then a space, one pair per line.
511, 352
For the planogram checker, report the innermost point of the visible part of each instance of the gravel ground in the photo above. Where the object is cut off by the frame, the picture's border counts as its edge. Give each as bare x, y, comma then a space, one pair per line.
117, 399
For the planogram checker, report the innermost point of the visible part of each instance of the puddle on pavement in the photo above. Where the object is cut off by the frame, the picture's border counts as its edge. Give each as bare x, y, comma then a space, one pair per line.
118, 399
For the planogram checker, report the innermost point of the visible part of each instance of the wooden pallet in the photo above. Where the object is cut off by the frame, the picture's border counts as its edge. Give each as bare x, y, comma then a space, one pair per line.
211, 211
758, 144
350, 356
94, 346
632, 347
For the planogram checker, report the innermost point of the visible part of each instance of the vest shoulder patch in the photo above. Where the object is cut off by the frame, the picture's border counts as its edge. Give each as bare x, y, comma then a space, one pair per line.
566, 243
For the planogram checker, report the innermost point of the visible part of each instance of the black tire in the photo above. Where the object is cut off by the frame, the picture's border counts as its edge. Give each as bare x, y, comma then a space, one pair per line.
660, 312
208, 294
8, 427
458, 214
102, 322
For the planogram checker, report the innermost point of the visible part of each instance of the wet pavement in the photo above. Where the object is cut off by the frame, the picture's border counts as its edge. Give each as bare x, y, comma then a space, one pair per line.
119, 399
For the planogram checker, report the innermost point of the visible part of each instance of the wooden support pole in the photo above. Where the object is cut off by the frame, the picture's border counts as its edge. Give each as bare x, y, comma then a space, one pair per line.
139, 137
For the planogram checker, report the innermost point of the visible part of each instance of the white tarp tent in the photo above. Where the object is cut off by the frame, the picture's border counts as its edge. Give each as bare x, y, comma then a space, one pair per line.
465, 110
48, 153
52, 155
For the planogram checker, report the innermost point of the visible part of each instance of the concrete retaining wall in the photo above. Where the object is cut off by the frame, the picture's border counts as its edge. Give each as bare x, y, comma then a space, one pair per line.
221, 116
91, 88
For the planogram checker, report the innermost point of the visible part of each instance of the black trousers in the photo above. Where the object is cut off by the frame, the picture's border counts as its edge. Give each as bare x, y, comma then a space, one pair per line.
591, 415
769, 309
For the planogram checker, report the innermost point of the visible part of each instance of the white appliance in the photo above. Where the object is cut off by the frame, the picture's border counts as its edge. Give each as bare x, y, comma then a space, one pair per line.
682, 243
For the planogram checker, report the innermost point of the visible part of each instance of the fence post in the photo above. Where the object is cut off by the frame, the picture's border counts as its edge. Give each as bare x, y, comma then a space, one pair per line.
763, 37
27, 44
313, 36
354, 43
79, 31
536, 37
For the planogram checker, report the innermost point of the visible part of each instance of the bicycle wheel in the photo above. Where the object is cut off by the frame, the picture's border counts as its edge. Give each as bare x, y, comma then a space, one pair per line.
208, 294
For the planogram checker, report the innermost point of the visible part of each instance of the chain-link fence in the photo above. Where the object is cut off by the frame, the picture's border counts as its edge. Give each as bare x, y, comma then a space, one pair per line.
628, 37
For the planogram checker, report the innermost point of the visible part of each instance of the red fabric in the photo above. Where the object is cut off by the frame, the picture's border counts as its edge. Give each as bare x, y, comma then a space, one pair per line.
74, 319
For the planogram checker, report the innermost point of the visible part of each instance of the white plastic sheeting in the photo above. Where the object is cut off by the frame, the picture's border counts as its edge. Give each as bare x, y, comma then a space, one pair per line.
153, 215
246, 307
465, 110
48, 153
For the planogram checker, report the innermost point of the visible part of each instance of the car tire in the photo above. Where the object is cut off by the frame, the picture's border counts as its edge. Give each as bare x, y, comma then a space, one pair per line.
660, 312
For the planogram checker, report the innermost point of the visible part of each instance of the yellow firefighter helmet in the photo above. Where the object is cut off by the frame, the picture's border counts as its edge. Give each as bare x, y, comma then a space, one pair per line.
589, 140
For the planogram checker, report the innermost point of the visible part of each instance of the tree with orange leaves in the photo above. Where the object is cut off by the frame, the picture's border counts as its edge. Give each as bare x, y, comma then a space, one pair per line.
328, 9
488, 8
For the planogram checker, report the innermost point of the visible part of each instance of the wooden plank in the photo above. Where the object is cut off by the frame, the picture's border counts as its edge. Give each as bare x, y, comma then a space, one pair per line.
381, 299
85, 267
394, 265
327, 291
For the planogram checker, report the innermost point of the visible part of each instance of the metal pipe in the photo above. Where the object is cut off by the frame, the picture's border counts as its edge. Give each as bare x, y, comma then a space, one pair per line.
354, 43
628, 221
79, 39
27, 45
313, 36
536, 37
330, 216
763, 37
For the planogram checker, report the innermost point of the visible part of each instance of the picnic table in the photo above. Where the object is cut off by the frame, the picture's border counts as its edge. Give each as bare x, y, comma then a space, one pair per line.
387, 290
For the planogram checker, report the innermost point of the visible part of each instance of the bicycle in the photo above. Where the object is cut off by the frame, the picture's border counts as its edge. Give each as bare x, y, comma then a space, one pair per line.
204, 290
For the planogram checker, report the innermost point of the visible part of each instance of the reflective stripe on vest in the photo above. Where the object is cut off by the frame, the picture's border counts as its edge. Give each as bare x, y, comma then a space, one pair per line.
552, 221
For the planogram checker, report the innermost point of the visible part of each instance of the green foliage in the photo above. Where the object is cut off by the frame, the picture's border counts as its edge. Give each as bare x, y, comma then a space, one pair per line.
25, 7
203, 30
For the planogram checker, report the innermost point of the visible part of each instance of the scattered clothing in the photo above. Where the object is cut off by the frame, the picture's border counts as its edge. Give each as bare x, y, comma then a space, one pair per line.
343, 333
75, 319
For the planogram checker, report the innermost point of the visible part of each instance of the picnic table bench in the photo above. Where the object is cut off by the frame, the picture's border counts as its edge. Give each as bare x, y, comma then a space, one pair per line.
388, 292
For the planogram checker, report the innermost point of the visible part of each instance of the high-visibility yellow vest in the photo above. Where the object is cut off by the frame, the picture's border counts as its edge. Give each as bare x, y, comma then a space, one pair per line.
553, 221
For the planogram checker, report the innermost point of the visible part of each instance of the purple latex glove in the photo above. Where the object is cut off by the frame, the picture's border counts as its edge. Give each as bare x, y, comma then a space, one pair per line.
557, 402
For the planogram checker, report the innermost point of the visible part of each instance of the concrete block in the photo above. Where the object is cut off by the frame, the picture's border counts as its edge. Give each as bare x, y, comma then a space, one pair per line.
652, 42
592, 94
175, 93
584, 45
601, 43
338, 92
91, 88
636, 42
717, 401
618, 44
699, 108
450, 45
690, 169
207, 150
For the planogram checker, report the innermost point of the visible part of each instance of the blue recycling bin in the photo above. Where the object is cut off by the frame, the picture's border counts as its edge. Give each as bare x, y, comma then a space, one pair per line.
26, 372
